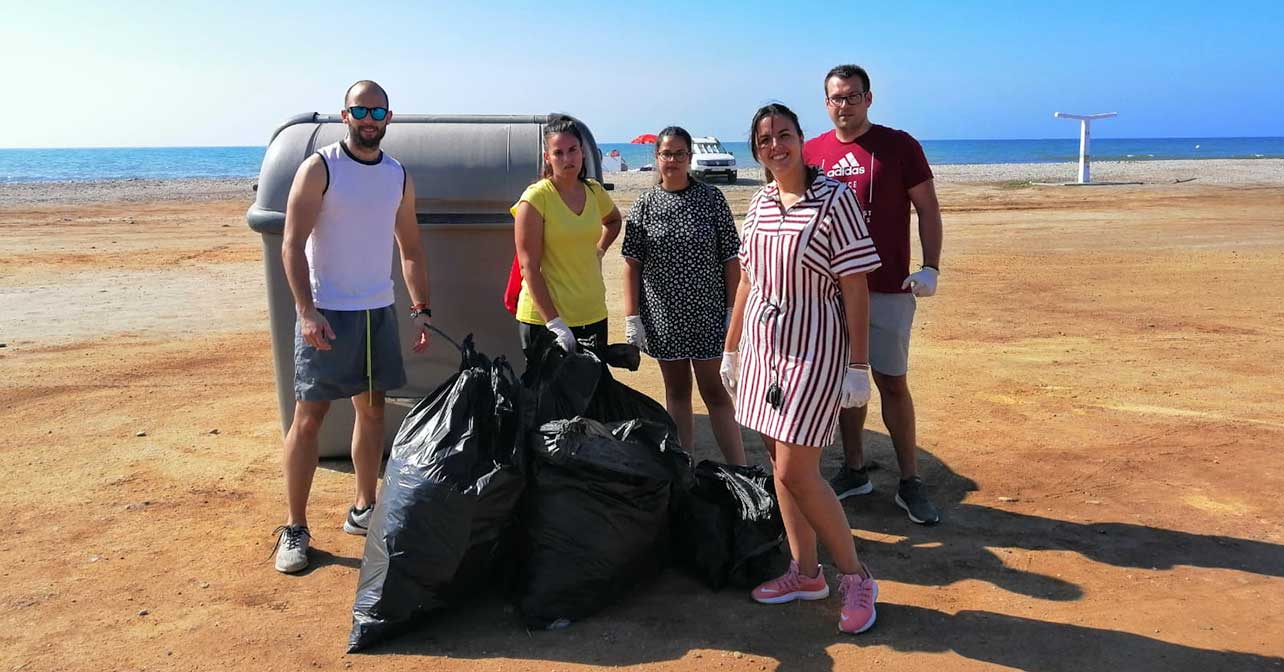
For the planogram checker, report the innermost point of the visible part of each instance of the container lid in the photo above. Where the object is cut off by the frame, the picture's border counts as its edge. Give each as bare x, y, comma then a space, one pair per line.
467, 170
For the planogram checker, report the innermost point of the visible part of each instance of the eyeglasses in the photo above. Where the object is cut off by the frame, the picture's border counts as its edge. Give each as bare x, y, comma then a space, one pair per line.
673, 156
360, 112
850, 99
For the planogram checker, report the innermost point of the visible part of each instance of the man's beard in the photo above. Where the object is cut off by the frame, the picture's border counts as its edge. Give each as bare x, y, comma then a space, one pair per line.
373, 143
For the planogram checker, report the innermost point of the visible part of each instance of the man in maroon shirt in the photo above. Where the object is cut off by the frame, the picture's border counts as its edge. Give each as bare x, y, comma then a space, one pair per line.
888, 171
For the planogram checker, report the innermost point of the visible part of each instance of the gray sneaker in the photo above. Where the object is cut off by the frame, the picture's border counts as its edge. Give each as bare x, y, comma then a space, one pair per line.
850, 482
912, 496
358, 521
292, 548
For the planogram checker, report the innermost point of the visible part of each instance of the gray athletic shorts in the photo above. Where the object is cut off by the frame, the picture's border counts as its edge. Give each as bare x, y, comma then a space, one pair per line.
341, 372
891, 316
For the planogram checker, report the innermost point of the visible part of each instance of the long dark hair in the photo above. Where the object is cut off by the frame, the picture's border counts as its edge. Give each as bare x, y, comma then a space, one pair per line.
779, 110
561, 123
673, 132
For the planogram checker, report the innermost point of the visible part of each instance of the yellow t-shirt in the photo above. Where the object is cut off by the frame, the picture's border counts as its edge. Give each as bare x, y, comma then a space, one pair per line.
570, 266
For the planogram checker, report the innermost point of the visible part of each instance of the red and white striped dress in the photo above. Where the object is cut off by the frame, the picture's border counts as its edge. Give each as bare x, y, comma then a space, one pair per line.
795, 329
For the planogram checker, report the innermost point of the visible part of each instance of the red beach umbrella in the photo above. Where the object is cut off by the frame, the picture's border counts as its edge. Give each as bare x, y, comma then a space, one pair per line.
644, 139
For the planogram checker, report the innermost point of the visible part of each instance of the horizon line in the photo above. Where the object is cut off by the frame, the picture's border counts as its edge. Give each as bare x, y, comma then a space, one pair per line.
626, 142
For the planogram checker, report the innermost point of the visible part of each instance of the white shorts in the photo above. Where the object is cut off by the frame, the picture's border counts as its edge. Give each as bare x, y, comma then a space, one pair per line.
891, 317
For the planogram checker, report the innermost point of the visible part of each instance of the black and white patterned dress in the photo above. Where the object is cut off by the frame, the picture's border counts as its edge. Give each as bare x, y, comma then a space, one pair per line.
683, 240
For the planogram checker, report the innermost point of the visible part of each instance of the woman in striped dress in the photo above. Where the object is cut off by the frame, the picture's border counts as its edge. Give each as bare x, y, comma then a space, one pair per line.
797, 350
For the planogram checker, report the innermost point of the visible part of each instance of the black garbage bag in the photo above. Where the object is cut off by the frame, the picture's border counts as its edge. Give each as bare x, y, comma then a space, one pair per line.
595, 515
613, 401
569, 385
562, 383
623, 356
727, 528
445, 514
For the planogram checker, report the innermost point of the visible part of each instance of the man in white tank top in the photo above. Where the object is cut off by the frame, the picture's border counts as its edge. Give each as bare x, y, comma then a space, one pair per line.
349, 201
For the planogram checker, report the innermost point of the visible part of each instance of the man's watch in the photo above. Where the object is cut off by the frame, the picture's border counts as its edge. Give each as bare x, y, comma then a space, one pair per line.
420, 309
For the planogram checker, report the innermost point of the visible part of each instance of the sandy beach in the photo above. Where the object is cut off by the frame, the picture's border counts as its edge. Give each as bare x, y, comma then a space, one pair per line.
1098, 396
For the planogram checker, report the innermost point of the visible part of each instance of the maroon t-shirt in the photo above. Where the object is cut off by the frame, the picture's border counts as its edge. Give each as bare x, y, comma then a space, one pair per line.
881, 166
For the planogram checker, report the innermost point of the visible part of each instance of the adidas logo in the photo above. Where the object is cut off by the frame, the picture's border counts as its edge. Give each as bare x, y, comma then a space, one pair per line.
846, 167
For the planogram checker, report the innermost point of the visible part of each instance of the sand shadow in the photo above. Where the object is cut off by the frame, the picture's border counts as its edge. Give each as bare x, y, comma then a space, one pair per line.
681, 618
793, 637
672, 618
963, 545
1029, 644
318, 558
343, 465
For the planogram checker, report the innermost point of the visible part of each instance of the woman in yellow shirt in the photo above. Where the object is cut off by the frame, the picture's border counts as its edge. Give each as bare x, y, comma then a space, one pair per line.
565, 222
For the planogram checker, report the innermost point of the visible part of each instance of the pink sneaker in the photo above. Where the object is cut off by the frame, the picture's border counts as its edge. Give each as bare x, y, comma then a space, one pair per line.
858, 593
792, 585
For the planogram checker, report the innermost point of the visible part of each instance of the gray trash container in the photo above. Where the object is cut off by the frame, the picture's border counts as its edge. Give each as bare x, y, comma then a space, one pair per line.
467, 170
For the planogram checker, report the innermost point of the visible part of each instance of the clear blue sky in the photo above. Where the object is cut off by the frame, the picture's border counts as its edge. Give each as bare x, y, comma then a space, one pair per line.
225, 73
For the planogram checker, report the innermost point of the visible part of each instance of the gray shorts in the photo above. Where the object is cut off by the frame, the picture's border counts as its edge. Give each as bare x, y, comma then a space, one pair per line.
342, 372
891, 317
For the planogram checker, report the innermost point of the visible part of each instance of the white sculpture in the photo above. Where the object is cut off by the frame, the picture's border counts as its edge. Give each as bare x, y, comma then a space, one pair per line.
1085, 137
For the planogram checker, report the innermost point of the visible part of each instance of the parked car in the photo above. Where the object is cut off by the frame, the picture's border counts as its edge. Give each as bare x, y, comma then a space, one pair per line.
710, 158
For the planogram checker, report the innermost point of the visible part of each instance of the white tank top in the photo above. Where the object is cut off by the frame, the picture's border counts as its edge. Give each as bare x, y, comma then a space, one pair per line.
350, 249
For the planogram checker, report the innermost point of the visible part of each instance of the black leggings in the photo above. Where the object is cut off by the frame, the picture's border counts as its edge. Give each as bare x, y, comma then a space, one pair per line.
591, 336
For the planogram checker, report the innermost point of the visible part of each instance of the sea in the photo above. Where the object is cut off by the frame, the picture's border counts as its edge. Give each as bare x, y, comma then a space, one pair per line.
160, 163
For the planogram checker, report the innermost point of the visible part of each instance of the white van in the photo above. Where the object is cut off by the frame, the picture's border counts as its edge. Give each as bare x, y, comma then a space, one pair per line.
710, 158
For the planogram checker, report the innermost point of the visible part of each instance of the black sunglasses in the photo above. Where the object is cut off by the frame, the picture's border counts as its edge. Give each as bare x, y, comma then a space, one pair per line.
360, 112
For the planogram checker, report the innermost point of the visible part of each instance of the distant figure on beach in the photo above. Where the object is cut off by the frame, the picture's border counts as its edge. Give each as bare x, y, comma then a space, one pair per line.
563, 225
680, 277
796, 351
348, 202
887, 171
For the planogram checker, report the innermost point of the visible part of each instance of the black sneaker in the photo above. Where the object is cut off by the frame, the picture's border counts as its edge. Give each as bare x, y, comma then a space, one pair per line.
358, 521
850, 482
912, 497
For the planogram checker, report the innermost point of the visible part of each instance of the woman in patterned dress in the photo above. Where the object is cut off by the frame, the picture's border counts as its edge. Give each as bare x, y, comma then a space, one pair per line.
680, 276
797, 350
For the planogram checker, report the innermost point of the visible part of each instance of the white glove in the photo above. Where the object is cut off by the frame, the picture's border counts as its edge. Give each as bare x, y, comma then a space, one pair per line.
855, 387
730, 371
565, 338
922, 282
634, 332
